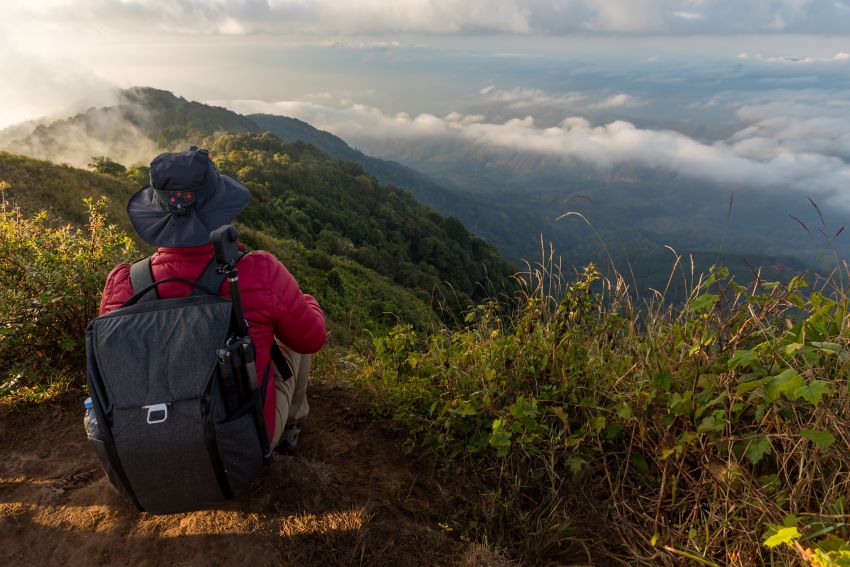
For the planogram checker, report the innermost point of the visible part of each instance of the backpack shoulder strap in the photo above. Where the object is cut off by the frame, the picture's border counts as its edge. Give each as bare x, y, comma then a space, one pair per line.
210, 278
141, 277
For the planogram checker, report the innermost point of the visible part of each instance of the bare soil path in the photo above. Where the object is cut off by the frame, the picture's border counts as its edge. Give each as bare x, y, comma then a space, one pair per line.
348, 497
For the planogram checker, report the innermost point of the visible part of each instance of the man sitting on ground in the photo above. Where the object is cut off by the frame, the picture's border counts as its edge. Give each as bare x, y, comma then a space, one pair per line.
188, 198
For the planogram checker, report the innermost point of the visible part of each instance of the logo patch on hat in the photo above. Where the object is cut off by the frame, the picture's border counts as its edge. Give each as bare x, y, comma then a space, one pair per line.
180, 199
188, 185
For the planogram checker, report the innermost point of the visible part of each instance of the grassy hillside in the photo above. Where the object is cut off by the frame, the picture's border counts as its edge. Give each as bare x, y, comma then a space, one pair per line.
713, 433
38, 185
346, 233
355, 297
300, 192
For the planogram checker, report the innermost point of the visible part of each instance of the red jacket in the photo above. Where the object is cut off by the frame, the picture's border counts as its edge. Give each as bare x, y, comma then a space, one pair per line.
271, 299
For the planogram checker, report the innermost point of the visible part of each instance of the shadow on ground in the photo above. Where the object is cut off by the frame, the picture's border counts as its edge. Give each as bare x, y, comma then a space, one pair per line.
347, 498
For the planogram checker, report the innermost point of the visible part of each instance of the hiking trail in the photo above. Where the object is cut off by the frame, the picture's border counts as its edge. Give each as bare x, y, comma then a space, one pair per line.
347, 497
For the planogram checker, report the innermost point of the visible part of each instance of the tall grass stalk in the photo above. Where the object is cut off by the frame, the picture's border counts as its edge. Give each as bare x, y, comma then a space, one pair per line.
649, 433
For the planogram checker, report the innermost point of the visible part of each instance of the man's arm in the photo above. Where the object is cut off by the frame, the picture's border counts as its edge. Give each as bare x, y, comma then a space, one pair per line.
117, 289
299, 320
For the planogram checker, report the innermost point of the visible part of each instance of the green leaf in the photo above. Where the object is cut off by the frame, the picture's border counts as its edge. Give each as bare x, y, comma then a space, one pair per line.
786, 382
814, 392
790, 521
576, 464
822, 439
793, 348
758, 448
746, 387
639, 462
827, 348
500, 438
465, 409
662, 381
597, 423
710, 423
704, 302
783, 535
742, 357
561, 415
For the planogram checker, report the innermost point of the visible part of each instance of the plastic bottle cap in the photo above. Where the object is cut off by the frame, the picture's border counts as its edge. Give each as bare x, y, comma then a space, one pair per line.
88, 404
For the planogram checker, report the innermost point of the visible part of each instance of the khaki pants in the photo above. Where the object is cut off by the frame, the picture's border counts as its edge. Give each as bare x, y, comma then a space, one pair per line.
290, 395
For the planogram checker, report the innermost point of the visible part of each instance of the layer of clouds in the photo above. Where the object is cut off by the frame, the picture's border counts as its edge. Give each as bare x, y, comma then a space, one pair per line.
523, 98
785, 145
840, 57
447, 16
795, 127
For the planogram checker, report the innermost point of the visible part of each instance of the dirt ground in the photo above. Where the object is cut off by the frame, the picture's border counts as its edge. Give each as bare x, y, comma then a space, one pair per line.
348, 497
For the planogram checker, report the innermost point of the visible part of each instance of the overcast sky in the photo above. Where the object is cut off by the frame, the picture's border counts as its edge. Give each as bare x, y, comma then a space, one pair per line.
739, 91
405, 52
526, 17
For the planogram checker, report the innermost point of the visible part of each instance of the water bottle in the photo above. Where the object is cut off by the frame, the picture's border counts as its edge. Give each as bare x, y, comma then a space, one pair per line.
90, 420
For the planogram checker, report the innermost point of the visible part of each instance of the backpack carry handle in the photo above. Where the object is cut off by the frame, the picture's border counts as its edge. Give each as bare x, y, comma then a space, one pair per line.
195, 285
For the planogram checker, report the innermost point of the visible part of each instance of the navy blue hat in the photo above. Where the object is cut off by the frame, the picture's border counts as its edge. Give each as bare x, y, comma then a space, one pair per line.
186, 200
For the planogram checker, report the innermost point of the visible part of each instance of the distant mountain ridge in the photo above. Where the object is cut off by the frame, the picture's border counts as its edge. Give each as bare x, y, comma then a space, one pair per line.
143, 122
330, 207
447, 199
513, 202
514, 222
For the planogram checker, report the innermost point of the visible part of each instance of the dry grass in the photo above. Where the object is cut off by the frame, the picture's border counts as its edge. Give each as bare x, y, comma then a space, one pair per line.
655, 433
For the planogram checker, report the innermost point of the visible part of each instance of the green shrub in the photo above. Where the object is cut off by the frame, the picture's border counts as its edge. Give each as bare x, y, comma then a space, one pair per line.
106, 166
51, 279
664, 433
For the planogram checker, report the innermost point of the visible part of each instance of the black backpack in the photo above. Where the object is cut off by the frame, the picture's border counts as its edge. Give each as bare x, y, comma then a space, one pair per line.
175, 393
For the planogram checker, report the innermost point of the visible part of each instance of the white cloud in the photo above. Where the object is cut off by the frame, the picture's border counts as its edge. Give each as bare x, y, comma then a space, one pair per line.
620, 100
840, 57
527, 99
770, 153
365, 44
797, 126
329, 17
689, 15
531, 98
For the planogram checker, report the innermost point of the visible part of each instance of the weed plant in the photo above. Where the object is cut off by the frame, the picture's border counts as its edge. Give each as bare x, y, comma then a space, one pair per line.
715, 431
51, 279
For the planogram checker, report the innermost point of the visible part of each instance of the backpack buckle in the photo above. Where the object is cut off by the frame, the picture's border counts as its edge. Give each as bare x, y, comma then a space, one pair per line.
153, 410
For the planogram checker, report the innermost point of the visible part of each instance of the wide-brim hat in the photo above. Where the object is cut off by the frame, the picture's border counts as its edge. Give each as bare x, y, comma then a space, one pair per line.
187, 198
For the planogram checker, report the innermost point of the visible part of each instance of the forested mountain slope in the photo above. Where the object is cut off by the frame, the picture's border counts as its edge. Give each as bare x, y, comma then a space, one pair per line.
448, 199
510, 229
370, 253
632, 224
335, 208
